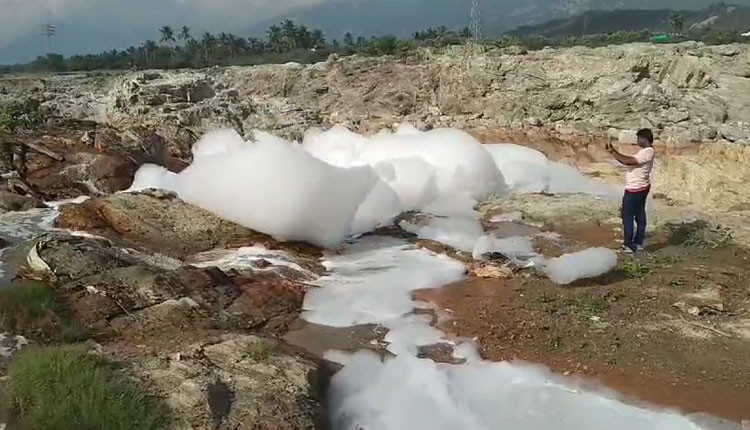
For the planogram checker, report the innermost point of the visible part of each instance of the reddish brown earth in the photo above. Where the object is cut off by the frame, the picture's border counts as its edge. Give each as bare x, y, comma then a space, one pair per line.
623, 329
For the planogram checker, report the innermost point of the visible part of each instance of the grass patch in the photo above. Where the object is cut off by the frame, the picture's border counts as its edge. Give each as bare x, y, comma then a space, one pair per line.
13, 118
634, 269
586, 305
32, 309
66, 388
700, 234
259, 351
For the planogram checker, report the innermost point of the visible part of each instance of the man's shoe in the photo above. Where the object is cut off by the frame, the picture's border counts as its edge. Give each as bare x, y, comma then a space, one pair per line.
627, 250
640, 248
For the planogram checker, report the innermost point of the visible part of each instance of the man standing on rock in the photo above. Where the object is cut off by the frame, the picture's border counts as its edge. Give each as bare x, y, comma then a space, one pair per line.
637, 187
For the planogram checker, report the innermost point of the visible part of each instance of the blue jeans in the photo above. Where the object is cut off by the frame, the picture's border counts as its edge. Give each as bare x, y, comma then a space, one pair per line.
634, 209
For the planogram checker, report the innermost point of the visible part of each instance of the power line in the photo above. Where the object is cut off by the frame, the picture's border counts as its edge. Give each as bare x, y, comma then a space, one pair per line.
49, 31
475, 24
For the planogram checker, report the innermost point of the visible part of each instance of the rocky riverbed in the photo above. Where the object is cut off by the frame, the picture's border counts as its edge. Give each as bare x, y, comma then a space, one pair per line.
204, 313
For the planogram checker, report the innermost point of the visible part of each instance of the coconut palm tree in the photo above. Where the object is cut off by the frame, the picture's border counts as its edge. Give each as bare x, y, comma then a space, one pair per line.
167, 34
677, 22
185, 34
318, 39
276, 38
289, 34
150, 48
208, 41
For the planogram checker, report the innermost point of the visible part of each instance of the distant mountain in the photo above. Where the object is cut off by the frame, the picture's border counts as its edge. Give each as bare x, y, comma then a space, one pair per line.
402, 18
724, 17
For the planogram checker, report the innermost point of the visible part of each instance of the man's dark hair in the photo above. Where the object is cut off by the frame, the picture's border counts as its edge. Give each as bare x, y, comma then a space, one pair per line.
647, 134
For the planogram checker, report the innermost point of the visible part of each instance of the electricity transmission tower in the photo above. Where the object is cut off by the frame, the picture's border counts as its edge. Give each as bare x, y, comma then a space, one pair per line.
475, 25
49, 31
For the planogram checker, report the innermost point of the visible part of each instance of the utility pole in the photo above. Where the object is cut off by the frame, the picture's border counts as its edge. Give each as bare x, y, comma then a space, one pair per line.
48, 31
475, 24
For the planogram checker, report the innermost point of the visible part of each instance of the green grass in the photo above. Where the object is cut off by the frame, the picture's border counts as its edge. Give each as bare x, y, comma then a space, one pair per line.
66, 388
634, 269
259, 351
11, 119
586, 305
33, 309
700, 234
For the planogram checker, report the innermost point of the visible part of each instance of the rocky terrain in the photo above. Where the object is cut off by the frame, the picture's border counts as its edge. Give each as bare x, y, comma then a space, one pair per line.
153, 282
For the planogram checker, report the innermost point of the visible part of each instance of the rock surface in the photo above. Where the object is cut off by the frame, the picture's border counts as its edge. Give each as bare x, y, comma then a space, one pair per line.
238, 382
184, 330
157, 220
11, 202
687, 92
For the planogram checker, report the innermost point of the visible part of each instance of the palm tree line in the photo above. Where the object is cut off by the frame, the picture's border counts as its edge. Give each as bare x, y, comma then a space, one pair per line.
176, 48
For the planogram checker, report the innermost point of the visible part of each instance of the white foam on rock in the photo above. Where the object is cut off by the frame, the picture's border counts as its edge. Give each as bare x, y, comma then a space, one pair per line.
269, 185
334, 185
588, 263
247, 257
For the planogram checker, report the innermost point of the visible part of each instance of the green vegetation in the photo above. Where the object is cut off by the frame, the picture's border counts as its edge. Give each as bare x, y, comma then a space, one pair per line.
634, 269
677, 22
700, 234
259, 351
12, 118
283, 43
33, 309
65, 388
289, 42
586, 305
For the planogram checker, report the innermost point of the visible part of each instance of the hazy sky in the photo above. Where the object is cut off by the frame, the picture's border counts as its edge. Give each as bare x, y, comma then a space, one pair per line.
92, 24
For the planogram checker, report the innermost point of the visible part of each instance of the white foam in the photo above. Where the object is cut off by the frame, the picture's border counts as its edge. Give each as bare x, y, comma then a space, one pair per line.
270, 185
588, 263
371, 282
422, 167
459, 233
514, 248
247, 257
411, 393
529, 171
336, 184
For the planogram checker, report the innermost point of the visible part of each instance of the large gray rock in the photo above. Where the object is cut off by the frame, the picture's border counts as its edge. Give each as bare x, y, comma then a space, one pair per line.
623, 87
11, 202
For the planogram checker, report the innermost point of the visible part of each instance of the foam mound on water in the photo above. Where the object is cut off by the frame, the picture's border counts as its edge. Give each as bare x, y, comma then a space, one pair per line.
588, 263
410, 393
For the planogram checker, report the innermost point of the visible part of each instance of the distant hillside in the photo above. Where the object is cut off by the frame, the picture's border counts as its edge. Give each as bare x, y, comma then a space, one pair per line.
402, 18
722, 17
